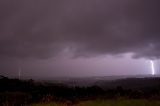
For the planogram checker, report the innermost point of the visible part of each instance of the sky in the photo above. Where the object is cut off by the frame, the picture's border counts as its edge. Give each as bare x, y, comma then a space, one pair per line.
54, 38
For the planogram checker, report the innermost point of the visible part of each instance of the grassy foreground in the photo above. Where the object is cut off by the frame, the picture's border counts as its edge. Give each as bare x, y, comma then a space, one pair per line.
137, 102
120, 103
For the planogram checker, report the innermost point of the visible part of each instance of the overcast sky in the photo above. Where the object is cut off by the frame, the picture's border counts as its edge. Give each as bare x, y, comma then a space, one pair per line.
78, 37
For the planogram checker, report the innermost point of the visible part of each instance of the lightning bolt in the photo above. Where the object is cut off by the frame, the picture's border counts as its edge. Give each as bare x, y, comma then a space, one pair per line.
152, 67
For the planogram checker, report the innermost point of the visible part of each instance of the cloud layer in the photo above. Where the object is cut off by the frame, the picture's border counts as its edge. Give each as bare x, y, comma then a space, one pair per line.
41, 29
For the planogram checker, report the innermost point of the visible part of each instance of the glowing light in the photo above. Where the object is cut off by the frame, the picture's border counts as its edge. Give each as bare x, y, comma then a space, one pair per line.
19, 73
152, 67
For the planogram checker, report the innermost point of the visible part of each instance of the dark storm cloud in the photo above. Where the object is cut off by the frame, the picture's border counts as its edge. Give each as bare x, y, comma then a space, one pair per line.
31, 28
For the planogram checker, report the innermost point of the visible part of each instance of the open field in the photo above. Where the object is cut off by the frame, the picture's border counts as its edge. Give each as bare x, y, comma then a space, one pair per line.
132, 102
120, 103
46, 104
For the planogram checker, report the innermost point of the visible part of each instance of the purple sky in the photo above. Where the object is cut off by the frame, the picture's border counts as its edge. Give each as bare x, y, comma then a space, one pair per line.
79, 37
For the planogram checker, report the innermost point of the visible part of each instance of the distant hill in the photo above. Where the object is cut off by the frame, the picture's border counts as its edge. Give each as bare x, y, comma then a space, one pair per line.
112, 81
130, 83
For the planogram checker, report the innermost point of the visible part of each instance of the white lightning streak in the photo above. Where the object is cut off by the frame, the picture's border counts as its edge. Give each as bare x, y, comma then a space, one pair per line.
152, 67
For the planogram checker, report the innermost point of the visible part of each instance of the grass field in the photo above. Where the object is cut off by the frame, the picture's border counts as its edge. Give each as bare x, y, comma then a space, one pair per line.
46, 104
108, 103
120, 103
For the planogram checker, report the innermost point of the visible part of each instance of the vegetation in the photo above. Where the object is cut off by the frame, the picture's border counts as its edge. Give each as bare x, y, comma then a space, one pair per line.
120, 103
14, 92
46, 104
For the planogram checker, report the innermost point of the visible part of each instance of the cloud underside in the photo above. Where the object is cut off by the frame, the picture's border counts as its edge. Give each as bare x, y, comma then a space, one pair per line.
42, 29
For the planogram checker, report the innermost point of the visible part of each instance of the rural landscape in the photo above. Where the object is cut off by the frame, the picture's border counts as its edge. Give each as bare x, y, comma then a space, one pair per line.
79, 52
101, 92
